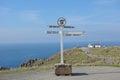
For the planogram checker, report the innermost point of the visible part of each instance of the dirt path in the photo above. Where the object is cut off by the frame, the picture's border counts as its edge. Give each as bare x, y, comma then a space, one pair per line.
79, 73
88, 53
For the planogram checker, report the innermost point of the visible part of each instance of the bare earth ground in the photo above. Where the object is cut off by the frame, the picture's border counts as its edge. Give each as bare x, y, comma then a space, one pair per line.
79, 73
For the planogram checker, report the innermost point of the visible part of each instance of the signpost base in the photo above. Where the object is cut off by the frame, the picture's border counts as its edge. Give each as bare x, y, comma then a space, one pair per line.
63, 69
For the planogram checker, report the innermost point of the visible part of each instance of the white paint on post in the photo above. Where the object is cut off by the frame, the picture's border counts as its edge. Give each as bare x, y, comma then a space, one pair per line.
61, 45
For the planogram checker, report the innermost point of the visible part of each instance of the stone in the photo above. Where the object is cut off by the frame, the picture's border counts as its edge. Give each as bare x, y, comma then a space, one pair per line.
63, 69
3, 68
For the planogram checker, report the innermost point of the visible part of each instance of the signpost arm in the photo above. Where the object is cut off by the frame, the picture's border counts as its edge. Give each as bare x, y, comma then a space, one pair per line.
61, 45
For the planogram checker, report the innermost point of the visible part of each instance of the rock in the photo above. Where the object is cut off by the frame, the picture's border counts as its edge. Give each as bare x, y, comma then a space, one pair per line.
3, 68
33, 62
63, 69
108, 61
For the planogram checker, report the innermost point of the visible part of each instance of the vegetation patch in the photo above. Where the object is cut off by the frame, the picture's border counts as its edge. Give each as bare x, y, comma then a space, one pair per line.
76, 57
111, 53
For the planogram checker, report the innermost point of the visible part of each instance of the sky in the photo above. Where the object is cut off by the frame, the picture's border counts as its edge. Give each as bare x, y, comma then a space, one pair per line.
27, 21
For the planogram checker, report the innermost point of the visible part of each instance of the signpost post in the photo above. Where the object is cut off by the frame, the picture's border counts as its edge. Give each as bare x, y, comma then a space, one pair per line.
62, 68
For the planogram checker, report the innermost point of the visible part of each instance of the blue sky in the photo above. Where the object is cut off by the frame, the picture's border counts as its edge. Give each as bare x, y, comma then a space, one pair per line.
26, 21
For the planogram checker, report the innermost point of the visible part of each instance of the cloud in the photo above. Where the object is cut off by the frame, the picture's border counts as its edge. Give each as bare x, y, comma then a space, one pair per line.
105, 1
80, 19
30, 15
93, 22
4, 10
12, 35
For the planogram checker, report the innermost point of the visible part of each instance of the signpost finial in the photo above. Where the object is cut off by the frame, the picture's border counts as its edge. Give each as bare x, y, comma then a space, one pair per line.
61, 21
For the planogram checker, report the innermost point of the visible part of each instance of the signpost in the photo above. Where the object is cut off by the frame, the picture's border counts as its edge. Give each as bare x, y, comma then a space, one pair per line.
62, 68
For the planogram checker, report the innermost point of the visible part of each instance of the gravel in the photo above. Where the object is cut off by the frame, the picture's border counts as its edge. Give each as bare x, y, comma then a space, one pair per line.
79, 73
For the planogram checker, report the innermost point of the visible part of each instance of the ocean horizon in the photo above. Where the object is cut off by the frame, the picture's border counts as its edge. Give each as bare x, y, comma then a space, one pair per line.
12, 55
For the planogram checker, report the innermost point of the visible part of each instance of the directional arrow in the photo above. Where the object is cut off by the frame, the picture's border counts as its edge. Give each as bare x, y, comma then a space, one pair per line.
62, 26
52, 32
73, 33
54, 26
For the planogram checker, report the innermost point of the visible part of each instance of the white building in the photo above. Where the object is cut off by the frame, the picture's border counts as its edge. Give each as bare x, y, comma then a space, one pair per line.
94, 46
90, 45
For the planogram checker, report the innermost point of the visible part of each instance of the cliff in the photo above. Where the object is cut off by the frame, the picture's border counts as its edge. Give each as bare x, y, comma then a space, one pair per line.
78, 57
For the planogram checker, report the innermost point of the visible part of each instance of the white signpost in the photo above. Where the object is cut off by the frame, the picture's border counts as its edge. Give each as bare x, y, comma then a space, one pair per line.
61, 25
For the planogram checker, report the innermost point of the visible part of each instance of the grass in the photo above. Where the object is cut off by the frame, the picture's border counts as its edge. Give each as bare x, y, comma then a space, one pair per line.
112, 53
76, 57
43, 67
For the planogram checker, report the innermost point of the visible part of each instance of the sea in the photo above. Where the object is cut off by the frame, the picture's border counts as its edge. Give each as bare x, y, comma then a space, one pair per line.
12, 55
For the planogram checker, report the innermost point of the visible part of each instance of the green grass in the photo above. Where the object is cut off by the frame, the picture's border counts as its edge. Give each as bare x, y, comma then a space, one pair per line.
16, 70
43, 67
112, 53
76, 57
